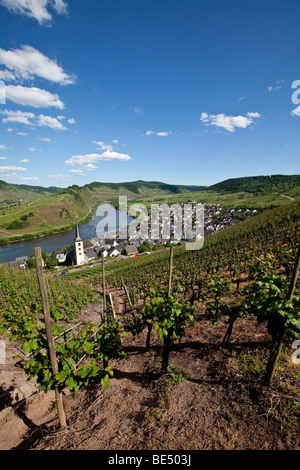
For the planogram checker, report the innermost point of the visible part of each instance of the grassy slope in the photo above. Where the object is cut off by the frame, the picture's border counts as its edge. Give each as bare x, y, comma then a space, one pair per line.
14, 193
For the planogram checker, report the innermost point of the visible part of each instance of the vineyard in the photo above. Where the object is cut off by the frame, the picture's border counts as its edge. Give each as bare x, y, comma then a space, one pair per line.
193, 349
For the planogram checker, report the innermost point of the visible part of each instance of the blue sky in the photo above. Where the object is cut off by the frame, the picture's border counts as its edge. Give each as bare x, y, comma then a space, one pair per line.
184, 92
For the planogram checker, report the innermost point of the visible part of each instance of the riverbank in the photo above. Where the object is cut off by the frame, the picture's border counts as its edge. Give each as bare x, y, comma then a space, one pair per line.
52, 231
50, 243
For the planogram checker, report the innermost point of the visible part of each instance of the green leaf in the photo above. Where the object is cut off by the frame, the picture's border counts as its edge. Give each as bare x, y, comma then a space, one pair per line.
160, 333
88, 346
71, 383
62, 376
30, 346
83, 372
105, 382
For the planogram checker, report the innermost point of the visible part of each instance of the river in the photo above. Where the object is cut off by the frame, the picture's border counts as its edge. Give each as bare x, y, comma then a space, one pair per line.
49, 244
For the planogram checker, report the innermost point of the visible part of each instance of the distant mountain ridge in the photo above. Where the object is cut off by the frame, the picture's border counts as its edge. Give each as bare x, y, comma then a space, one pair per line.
253, 184
15, 192
262, 184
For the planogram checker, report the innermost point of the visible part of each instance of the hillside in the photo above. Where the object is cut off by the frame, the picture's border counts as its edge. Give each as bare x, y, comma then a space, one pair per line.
33, 211
259, 184
213, 395
142, 187
14, 193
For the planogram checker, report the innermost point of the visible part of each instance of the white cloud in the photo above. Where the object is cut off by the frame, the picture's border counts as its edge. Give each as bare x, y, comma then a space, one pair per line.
29, 178
7, 76
71, 121
32, 96
160, 134
27, 62
253, 115
230, 123
18, 116
277, 86
22, 133
78, 172
89, 167
44, 139
12, 168
51, 122
296, 111
60, 177
3, 158
60, 6
3, 147
25, 160
36, 9
107, 155
30, 119
103, 146
138, 110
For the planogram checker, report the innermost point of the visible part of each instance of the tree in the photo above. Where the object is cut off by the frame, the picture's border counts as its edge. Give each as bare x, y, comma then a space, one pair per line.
51, 261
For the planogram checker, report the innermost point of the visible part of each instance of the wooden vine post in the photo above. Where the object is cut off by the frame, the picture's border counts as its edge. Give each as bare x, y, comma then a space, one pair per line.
103, 287
277, 339
168, 338
49, 335
170, 271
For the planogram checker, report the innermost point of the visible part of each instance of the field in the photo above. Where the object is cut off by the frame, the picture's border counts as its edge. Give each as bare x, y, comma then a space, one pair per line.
187, 364
212, 399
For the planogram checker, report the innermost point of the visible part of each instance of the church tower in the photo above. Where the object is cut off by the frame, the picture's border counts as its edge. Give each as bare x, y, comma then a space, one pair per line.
79, 252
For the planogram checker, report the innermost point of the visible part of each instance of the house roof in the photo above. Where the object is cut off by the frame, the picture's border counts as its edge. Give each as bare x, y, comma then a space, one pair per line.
130, 249
91, 253
112, 249
71, 254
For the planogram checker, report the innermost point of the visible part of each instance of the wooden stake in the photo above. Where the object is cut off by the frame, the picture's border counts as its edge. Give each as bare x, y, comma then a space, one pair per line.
294, 275
103, 287
127, 293
170, 271
278, 338
112, 307
49, 334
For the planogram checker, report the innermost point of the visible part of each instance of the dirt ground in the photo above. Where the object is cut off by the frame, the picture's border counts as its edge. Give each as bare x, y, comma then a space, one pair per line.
212, 399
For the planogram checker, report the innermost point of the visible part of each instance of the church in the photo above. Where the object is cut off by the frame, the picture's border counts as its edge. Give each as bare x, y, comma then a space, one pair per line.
77, 255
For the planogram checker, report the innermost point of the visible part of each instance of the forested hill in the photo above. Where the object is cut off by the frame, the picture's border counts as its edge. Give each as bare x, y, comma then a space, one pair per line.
141, 186
258, 184
17, 192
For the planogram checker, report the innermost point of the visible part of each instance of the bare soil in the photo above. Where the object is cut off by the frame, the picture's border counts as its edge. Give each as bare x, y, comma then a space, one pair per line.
213, 398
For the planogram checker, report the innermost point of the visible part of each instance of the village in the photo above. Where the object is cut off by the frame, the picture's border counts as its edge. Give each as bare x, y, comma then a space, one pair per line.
160, 234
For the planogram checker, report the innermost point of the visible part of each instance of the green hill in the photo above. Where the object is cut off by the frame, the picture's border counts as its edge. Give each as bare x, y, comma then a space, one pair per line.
259, 184
142, 187
14, 193
33, 211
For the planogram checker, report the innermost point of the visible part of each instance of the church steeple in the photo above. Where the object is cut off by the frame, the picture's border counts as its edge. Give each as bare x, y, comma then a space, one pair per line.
79, 251
77, 236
